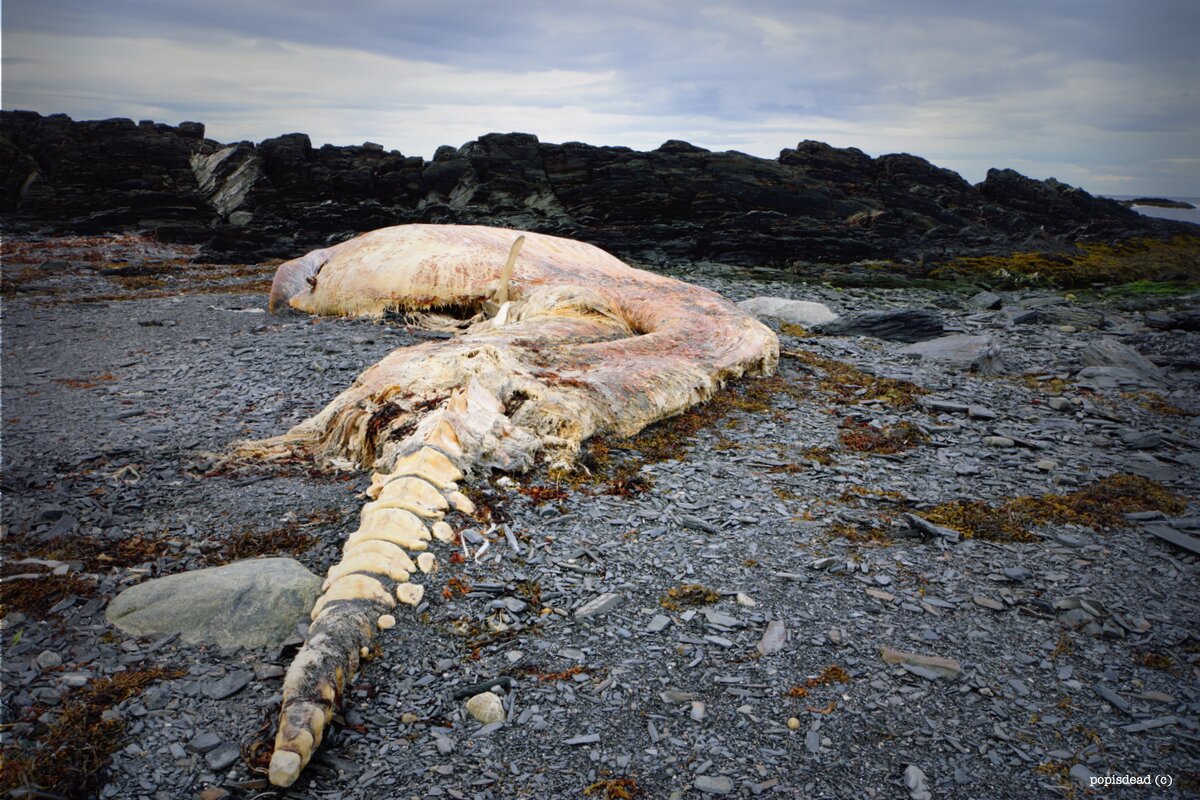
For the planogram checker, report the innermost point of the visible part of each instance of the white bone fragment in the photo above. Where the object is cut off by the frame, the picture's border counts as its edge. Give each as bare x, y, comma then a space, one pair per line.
445, 439
353, 587
414, 494
461, 503
389, 550
410, 593
374, 563
285, 768
482, 549
395, 525
458, 403
442, 531
426, 463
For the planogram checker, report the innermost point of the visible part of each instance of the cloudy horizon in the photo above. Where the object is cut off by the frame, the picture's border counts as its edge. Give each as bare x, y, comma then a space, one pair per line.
1096, 94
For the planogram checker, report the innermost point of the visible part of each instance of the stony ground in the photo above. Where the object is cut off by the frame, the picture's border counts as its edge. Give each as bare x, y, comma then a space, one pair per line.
714, 622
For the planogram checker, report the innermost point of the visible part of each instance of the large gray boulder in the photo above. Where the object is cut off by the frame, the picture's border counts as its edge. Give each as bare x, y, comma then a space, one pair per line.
1100, 356
978, 354
798, 312
253, 603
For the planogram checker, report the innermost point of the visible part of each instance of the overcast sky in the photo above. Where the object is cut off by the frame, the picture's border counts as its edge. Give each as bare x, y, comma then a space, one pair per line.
1101, 94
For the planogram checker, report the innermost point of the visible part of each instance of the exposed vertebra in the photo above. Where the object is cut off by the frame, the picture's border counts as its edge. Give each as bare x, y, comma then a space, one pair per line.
560, 341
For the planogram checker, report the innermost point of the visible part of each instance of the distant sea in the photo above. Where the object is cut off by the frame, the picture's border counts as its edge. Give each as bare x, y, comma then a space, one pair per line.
1181, 214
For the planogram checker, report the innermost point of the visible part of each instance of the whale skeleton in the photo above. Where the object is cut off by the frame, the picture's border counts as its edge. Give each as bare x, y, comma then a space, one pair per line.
557, 341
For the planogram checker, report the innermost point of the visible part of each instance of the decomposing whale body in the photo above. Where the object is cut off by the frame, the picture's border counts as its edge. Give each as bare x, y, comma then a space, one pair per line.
557, 341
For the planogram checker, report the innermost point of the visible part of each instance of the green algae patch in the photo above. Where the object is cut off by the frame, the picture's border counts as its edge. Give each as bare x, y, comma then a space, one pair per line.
1100, 505
1134, 262
1148, 288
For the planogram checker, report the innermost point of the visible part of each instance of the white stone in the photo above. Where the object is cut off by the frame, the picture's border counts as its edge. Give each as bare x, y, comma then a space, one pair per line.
797, 312
486, 707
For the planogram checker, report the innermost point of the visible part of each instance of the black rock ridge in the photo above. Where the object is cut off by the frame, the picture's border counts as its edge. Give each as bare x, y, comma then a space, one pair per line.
814, 204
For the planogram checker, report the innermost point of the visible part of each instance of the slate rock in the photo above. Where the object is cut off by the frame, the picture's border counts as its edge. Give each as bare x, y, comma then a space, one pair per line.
222, 757
978, 354
773, 638
1082, 776
1141, 440
48, 659
600, 604
1072, 316
713, 784
229, 685
203, 742
1188, 320
924, 526
986, 301
897, 325
1113, 378
796, 312
1108, 352
915, 782
941, 667
253, 603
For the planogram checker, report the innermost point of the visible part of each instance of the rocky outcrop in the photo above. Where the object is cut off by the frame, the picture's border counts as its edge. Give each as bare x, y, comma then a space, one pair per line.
815, 204
99, 176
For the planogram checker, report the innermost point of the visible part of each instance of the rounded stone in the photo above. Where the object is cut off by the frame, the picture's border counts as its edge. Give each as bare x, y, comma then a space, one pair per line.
486, 707
252, 603
48, 659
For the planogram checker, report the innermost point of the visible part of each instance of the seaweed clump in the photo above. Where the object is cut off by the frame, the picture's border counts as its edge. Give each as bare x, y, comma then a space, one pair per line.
68, 759
848, 384
663, 440
861, 437
861, 534
614, 789
829, 676
291, 537
1100, 505
37, 593
669, 438
688, 594
35, 597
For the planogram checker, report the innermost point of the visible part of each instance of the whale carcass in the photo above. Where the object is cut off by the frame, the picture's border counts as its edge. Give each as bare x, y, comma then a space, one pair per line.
556, 341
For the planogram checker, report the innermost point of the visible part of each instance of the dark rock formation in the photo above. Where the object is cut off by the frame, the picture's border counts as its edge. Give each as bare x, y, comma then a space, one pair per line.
815, 204
1157, 202
897, 325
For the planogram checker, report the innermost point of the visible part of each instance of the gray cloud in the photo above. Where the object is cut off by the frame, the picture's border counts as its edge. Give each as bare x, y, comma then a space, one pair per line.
1097, 93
